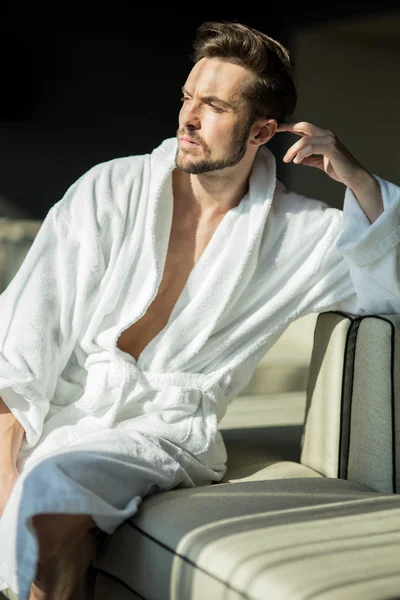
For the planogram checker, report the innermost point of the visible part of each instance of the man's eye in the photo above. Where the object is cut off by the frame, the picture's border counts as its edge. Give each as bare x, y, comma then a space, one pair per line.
184, 98
217, 108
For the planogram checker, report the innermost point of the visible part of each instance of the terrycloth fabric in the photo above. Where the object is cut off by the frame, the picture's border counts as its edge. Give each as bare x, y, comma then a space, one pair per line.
94, 269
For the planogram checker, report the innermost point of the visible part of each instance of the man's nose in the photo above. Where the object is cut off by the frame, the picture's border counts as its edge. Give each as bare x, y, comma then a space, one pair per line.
190, 116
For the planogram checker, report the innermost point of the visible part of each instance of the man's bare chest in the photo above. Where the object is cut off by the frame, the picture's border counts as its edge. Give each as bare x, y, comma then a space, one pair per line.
184, 250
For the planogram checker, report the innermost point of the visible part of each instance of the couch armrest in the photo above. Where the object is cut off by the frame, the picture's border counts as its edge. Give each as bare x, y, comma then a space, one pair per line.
352, 419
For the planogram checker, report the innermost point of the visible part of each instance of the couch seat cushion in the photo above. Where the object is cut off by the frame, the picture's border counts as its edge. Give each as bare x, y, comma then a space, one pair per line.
297, 537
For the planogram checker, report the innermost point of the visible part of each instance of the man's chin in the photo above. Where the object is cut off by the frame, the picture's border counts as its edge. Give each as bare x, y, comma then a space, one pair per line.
186, 167
189, 164
184, 163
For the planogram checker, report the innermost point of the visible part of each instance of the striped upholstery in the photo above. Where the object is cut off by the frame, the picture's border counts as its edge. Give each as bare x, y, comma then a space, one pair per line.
326, 527
293, 538
352, 422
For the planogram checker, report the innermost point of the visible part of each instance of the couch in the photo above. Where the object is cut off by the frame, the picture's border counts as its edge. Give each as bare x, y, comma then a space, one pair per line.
308, 509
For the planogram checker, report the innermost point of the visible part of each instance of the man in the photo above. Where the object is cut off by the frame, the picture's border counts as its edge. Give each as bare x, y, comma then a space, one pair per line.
150, 294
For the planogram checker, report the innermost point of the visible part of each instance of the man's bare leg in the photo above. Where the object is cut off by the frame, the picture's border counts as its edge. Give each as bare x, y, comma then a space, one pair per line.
67, 545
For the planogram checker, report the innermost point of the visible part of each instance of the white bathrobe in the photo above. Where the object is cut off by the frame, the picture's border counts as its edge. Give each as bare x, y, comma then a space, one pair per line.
103, 430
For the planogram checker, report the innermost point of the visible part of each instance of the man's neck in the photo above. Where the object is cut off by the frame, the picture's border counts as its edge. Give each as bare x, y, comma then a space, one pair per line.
211, 194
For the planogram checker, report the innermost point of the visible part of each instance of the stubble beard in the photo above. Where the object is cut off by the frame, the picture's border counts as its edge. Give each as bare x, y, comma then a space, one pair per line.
207, 165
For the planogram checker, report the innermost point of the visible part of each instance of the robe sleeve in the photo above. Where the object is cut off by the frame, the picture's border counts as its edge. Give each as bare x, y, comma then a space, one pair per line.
43, 307
360, 273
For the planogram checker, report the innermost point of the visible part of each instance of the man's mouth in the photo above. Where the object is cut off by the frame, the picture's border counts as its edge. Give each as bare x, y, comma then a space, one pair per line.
188, 142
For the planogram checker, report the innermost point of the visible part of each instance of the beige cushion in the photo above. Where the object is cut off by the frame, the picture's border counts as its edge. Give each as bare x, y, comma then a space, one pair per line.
295, 537
250, 451
352, 421
280, 470
373, 456
333, 342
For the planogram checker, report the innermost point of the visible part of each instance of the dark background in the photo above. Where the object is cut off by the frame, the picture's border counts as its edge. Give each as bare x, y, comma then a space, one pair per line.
69, 100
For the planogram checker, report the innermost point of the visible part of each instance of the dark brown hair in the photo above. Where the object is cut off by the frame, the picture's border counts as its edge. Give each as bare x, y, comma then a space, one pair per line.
272, 93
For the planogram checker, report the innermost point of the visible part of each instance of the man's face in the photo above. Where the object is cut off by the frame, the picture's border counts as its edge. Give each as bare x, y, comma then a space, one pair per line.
214, 123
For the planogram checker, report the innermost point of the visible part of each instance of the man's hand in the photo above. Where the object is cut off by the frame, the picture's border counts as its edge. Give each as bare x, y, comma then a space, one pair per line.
321, 148
8, 477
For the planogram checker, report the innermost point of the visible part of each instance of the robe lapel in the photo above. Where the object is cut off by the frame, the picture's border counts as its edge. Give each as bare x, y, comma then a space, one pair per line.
219, 277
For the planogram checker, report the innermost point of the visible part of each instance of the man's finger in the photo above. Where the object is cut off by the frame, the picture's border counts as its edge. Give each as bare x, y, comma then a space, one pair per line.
302, 128
305, 141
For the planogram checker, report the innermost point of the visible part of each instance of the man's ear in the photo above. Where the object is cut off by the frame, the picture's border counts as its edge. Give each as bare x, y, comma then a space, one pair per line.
262, 131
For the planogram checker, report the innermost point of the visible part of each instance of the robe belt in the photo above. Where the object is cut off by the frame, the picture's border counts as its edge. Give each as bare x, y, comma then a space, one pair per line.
125, 373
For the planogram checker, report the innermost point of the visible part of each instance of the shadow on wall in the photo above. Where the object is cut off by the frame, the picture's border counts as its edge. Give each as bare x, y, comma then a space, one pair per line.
347, 83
